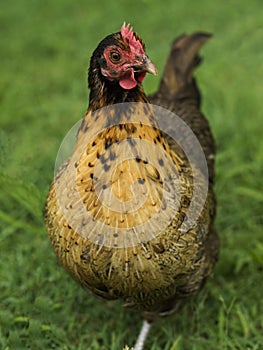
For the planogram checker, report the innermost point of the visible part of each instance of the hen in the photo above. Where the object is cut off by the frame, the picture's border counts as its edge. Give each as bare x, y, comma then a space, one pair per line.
130, 214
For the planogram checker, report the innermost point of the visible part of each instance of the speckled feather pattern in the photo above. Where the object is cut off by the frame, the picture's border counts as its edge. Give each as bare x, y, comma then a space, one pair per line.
155, 273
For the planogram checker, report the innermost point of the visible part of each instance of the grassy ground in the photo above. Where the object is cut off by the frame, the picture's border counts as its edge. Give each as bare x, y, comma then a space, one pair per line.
45, 48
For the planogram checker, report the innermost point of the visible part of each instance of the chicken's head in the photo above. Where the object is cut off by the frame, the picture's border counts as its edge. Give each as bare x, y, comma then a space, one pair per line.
122, 58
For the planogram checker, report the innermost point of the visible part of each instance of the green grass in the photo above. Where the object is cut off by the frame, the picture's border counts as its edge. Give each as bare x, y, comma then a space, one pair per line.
45, 48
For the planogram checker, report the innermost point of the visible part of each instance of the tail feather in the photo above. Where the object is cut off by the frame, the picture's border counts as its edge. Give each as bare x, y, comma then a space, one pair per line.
179, 93
183, 58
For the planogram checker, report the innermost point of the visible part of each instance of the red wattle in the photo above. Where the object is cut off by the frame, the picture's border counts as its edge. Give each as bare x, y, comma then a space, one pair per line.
141, 77
128, 81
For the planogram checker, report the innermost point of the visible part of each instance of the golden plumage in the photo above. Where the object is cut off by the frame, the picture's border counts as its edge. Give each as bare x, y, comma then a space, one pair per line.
117, 210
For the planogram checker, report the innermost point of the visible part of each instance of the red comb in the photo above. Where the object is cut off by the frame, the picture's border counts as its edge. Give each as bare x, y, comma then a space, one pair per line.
129, 37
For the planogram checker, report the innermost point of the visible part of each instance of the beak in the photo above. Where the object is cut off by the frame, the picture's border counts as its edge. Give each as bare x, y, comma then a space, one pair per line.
149, 67
145, 65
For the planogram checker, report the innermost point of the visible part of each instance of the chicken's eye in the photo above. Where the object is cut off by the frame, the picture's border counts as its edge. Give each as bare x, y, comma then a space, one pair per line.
115, 56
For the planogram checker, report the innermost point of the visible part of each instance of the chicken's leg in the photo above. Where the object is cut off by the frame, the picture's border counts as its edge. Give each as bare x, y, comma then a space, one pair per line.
143, 335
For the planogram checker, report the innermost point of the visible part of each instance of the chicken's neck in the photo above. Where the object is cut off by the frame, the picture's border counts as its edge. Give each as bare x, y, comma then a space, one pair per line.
104, 92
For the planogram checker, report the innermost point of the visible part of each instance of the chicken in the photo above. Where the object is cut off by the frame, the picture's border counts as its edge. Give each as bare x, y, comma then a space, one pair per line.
130, 214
